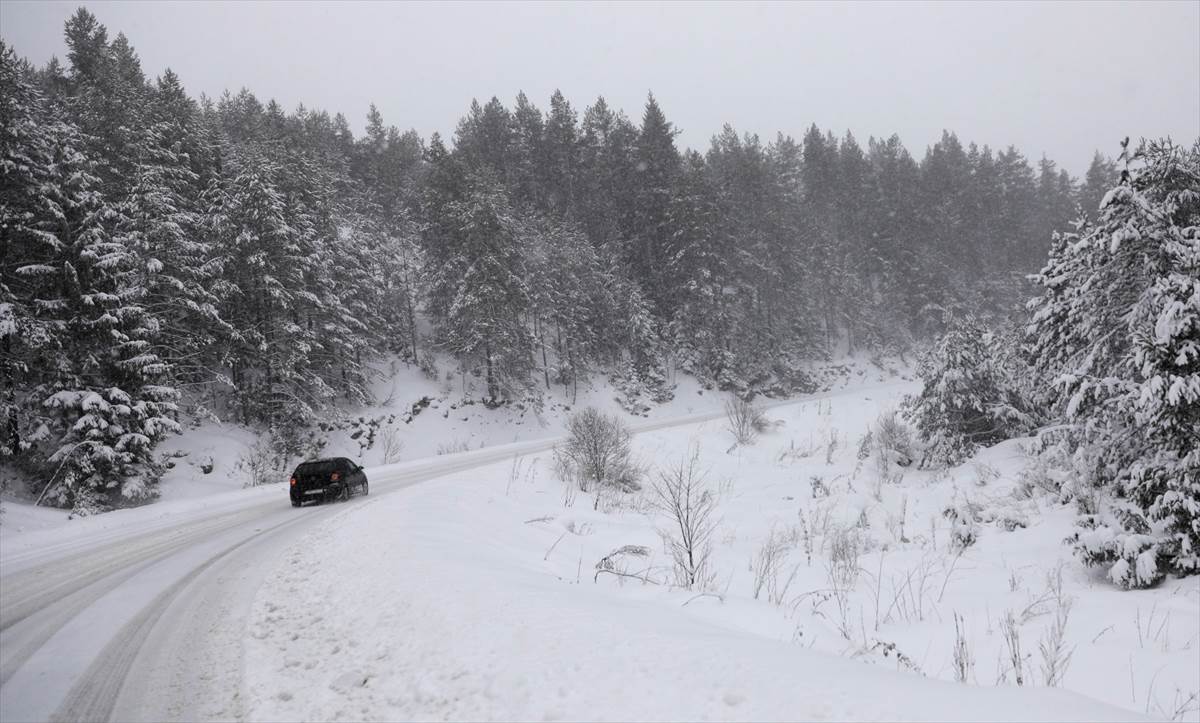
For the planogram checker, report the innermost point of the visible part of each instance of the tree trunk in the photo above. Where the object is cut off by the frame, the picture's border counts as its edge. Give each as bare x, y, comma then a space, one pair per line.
541, 332
492, 390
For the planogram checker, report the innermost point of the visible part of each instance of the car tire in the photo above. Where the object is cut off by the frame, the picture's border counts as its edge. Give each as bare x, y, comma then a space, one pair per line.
364, 487
295, 503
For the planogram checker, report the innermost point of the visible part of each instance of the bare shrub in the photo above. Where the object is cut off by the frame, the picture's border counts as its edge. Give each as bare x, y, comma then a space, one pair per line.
598, 454
1181, 706
680, 493
832, 446
616, 563
792, 453
865, 443
1010, 629
895, 524
745, 421
984, 473
806, 537
911, 592
845, 546
768, 563
392, 445
454, 446
260, 463
1055, 653
964, 662
892, 439
888, 652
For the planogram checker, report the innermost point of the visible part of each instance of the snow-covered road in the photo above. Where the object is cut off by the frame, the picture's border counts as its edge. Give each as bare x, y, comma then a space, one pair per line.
148, 625
146, 621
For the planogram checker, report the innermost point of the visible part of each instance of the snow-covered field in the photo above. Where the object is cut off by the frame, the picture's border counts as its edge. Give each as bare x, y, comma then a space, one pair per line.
832, 594
478, 597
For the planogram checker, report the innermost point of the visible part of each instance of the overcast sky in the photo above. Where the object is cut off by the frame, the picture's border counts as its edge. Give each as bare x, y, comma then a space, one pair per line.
1060, 79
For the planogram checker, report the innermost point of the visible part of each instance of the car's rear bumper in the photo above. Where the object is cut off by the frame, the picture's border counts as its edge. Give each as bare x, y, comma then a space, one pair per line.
311, 493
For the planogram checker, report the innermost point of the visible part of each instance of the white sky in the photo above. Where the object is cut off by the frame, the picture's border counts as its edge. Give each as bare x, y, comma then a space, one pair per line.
1060, 78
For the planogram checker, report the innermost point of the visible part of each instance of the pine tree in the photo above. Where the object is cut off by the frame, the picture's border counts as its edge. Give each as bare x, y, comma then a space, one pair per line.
960, 407
657, 164
820, 176
25, 167
105, 400
528, 154
605, 195
905, 285
1101, 175
562, 155
1117, 331
161, 227
480, 289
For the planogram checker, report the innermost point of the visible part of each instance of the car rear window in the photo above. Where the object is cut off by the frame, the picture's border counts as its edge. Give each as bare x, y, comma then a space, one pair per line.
324, 466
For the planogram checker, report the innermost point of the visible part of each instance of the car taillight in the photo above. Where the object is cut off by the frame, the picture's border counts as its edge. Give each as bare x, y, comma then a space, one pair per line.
293, 481
335, 476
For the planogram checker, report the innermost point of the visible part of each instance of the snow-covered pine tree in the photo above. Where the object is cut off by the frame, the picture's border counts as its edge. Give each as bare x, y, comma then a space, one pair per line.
596, 203
1117, 331
560, 170
820, 182
653, 181
528, 154
573, 308
268, 291
97, 385
901, 281
160, 226
482, 285
960, 406
701, 266
25, 158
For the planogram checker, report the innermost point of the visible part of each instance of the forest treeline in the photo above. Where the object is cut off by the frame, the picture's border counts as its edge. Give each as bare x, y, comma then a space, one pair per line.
167, 258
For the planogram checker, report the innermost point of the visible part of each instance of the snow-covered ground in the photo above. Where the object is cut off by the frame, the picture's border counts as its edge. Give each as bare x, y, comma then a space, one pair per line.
478, 597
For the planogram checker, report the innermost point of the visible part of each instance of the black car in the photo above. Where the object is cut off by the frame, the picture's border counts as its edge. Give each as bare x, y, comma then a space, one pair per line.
327, 479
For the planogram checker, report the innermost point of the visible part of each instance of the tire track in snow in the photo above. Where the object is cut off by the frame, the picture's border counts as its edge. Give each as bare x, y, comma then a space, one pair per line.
93, 698
31, 590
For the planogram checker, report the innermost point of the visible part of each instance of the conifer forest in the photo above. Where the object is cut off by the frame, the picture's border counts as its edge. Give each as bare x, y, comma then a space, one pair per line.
172, 262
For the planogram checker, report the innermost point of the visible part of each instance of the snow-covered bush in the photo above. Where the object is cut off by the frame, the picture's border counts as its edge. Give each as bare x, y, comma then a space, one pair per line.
891, 439
1117, 333
638, 388
597, 453
964, 516
962, 405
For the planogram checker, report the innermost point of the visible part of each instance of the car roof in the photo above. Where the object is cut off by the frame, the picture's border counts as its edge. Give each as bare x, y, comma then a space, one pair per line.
325, 460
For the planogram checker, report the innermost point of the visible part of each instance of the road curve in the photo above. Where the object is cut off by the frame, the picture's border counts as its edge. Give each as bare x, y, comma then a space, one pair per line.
148, 623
